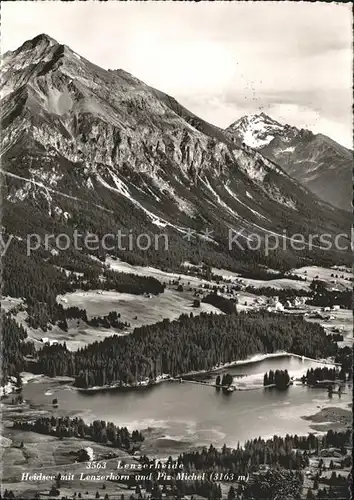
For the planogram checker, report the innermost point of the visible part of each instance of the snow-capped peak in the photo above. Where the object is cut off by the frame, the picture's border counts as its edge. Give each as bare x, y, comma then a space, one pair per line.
256, 130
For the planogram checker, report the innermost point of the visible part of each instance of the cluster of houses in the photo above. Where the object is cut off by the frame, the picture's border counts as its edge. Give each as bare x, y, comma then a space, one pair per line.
333, 308
274, 304
318, 313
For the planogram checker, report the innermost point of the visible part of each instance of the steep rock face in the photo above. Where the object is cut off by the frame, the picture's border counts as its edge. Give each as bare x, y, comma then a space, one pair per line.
321, 164
257, 131
103, 117
76, 133
315, 160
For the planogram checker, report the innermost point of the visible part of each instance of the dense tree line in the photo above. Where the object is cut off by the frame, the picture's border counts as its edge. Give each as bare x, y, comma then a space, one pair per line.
344, 356
38, 279
227, 306
184, 345
337, 337
224, 381
335, 492
291, 452
285, 456
48, 272
318, 295
7, 494
74, 312
284, 294
265, 275
118, 281
99, 431
276, 484
35, 280
112, 319
14, 347
337, 439
278, 378
320, 374
322, 297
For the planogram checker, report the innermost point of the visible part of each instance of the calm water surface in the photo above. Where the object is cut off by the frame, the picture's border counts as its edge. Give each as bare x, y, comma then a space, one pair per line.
186, 414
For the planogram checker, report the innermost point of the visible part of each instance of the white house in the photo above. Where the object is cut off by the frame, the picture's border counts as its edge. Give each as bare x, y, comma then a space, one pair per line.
90, 453
49, 342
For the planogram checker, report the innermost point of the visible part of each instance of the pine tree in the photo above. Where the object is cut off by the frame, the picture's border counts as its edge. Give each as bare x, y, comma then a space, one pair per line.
231, 494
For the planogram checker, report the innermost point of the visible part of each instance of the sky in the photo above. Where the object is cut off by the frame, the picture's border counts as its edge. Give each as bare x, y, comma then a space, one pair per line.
222, 60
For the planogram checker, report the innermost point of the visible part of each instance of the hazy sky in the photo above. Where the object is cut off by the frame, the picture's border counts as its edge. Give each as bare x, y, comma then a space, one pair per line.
292, 60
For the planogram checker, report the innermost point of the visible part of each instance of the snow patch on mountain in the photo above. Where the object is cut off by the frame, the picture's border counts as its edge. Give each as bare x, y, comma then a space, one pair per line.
121, 187
218, 199
165, 188
123, 190
59, 211
150, 191
276, 194
289, 149
257, 130
142, 145
21, 193
248, 164
252, 139
50, 177
6, 90
231, 193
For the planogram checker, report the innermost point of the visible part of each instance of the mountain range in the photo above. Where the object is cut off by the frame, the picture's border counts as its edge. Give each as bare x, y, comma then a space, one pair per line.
318, 162
99, 150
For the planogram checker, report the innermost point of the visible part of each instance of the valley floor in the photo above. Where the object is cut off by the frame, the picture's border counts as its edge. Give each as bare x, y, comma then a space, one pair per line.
41, 453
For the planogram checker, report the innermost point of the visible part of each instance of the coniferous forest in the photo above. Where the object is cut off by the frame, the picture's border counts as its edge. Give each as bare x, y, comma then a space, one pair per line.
41, 277
290, 452
13, 348
227, 306
278, 378
99, 430
184, 345
319, 374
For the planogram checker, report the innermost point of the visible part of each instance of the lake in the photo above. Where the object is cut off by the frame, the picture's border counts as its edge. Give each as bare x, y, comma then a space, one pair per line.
181, 416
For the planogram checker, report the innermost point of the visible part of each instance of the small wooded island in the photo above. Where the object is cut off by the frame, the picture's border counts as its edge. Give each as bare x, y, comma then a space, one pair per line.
224, 382
280, 379
323, 376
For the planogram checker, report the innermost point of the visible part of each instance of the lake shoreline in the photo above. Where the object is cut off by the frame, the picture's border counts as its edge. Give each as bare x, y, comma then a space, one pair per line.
165, 437
168, 378
331, 417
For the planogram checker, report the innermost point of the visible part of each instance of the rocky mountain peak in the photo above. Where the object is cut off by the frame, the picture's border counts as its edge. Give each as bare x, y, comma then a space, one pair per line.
307, 157
121, 143
28, 61
40, 40
256, 130
31, 48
